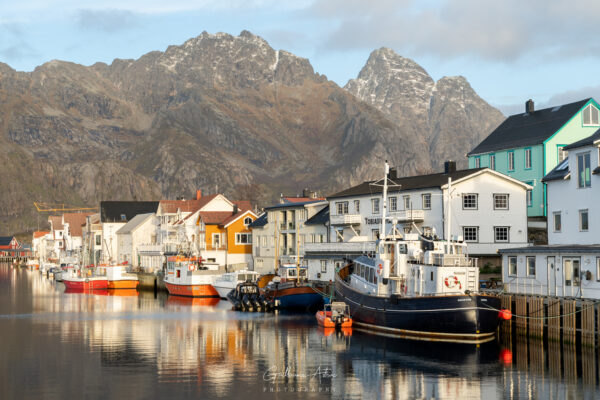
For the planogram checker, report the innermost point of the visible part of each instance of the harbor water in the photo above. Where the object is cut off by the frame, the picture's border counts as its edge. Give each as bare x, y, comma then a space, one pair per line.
58, 345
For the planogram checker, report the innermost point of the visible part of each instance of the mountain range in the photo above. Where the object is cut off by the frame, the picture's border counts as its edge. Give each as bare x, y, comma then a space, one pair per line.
221, 113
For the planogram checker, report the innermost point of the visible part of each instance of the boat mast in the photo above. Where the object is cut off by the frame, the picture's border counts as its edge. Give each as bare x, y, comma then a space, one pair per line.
384, 205
448, 238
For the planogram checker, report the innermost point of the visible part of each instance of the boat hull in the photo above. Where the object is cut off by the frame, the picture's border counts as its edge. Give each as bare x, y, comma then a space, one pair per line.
85, 284
456, 317
300, 297
223, 291
123, 284
202, 290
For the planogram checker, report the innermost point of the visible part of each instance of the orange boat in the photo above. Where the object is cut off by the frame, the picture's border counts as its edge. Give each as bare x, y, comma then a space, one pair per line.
187, 276
119, 279
335, 315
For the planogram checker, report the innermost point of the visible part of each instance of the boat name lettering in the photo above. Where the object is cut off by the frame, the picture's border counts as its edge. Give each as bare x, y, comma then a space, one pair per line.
458, 272
372, 221
464, 299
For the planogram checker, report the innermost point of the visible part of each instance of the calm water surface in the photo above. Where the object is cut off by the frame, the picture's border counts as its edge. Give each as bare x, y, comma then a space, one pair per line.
58, 345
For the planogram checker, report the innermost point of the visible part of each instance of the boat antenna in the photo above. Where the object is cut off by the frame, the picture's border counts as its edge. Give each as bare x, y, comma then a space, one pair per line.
448, 237
384, 205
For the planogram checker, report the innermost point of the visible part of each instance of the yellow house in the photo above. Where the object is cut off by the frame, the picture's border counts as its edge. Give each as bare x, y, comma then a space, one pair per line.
226, 238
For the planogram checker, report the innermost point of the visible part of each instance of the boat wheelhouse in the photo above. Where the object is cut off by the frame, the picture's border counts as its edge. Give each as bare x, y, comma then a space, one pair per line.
191, 277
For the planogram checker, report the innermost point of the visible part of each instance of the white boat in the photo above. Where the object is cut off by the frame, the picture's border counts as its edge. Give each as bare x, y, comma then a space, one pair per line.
227, 282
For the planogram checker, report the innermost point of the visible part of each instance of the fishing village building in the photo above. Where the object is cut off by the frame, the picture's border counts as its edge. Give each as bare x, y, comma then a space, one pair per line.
527, 146
282, 232
569, 266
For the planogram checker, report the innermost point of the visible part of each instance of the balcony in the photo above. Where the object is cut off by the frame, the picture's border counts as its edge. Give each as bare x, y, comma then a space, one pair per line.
408, 215
340, 247
345, 219
150, 248
287, 226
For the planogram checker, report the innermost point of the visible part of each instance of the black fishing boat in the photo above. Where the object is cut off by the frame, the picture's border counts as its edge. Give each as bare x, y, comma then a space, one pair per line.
418, 286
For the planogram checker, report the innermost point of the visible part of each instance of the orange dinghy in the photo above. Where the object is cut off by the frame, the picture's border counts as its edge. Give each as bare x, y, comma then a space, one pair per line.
334, 315
119, 279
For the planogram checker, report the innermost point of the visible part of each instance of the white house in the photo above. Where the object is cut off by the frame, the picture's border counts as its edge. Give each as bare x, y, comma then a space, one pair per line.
139, 230
570, 264
281, 234
488, 209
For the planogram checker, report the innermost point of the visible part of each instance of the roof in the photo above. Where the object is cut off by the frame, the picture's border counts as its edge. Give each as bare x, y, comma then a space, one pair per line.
75, 221
588, 141
299, 204
214, 217
260, 221
243, 204
300, 199
111, 211
171, 206
408, 183
570, 248
5, 240
526, 129
39, 234
320, 218
134, 223
56, 221
237, 215
559, 172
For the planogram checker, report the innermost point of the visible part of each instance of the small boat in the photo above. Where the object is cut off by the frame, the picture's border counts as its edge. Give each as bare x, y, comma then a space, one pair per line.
335, 315
289, 290
83, 280
247, 297
118, 278
190, 277
227, 282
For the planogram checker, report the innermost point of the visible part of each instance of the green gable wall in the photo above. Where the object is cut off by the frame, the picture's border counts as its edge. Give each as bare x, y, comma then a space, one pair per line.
571, 132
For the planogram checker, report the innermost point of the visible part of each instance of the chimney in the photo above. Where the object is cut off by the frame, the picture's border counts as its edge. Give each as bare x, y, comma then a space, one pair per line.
529, 107
393, 173
198, 194
309, 193
235, 209
449, 166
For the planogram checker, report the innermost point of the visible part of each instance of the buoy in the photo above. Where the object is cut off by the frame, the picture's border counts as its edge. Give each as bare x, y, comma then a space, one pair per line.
505, 314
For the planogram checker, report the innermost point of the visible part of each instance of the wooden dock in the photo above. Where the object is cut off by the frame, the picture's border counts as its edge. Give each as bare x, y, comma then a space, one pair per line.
565, 319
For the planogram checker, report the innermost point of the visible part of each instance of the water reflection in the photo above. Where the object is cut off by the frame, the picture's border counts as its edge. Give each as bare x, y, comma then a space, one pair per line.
135, 345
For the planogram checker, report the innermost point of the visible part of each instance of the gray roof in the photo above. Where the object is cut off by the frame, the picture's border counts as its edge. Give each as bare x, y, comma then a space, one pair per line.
5, 240
134, 223
526, 129
559, 172
556, 248
320, 218
299, 204
409, 183
259, 222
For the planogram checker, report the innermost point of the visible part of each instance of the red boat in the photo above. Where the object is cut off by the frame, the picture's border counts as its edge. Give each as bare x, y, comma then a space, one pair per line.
86, 283
187, 276
335, 315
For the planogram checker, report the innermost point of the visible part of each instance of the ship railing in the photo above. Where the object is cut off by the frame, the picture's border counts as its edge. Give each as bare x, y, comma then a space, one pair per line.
451, 260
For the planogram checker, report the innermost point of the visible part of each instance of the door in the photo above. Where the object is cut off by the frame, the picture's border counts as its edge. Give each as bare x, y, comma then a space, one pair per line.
551, 277
571, 268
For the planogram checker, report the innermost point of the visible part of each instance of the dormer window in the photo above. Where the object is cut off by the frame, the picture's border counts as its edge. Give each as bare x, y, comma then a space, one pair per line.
590, 116
247, 221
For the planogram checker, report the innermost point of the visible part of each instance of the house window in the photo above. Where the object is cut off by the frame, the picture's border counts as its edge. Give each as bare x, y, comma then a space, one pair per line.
527, 158
477, 162
342, 207
583, 170
393, 204
247, 221
511, 160
500, 201
339, 235
531, 266
562, 153
98, 240
590, 116
501, 234
470, 233
512, 265
264, 241
426, 198
598, 269
492, 161
469, 202
323, 266
375, 206
216, 240
583, 220
529, 195
557, 221
375, 233
406, 200
357, 206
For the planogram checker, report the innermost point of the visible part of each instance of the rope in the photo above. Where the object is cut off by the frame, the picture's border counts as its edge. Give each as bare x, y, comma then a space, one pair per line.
545, 318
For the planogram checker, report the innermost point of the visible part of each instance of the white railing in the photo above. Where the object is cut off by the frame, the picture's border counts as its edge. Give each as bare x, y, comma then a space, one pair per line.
150, 248
340, 247
345, 219
408, 215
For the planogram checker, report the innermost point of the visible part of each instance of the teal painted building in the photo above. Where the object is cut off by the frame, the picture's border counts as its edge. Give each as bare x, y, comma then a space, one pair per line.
528, 146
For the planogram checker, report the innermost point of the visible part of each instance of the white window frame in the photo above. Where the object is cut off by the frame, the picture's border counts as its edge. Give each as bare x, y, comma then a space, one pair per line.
374, 232
561, 154
426, 200
587, 217
528, 266
528, 159
248, 221
323, 266
589, 113
511, 160
586, 183
498, 229
554, 215
510, 265
476, 228
341, 207
393, 203
375, 206
357, 206
247, 235
493, 161
498, 196
475, 207
406, 201
218, 236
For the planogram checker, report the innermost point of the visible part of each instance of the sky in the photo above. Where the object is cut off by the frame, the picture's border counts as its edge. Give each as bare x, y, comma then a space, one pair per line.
509, 50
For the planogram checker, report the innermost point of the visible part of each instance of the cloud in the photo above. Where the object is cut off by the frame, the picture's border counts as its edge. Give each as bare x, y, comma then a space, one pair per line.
108, 21
566, 97
13, 46
507, 31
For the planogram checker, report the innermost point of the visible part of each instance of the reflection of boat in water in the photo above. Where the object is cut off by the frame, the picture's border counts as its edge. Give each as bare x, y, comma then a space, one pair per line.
188, 276
123, 292
418, 286
101, 292
227, 282
290, 290
193, 301
345, 331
